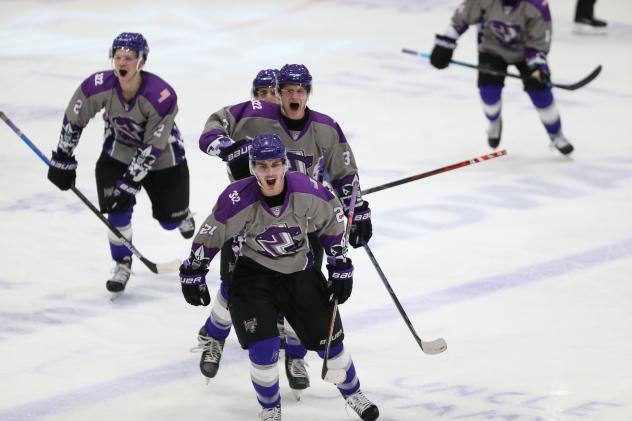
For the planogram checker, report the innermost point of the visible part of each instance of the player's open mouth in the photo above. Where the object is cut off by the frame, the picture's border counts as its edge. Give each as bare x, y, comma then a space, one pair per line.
271, 181
294, 106
123, 72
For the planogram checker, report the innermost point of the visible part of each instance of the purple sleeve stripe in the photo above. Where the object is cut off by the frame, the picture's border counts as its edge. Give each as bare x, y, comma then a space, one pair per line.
328, 241
208, 137
543, 7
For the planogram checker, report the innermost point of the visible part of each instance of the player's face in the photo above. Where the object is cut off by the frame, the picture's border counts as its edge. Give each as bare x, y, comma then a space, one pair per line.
126, 63
267, 95
270, 176
294, 101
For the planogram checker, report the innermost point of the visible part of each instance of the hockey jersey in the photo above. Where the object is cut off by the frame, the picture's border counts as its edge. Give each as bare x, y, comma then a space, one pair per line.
319, 149
511, 32
274, 239
140, 133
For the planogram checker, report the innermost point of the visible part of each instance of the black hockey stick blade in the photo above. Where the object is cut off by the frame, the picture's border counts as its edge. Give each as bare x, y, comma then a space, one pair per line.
580, 84
569, 87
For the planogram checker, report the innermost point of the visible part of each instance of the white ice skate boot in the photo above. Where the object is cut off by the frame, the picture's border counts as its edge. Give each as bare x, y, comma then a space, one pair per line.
494, 132
560, 143
366, 409
271, 414
121, 272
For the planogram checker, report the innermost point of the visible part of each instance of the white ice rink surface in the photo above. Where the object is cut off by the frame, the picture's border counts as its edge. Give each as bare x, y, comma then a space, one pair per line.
521, 263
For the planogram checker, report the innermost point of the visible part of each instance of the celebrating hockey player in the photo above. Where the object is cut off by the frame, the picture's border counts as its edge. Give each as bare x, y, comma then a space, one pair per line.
315, 145
142, 147
272, 214
511, 32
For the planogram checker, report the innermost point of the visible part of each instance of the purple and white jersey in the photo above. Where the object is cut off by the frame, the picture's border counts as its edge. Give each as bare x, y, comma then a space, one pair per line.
320, 147
140, 133
514, 33
274, 238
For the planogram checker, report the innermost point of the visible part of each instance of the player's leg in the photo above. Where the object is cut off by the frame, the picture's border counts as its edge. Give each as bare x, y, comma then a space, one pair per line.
168, 191
304, 300
542, 98
490, 90
107, 171
213, 334
252, 294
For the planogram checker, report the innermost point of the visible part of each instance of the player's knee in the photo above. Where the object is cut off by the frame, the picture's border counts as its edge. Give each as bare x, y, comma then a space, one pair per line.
264, 352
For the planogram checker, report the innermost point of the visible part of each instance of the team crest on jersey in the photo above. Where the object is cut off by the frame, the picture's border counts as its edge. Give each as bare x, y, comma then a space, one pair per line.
506, 34
279, 240
128, 130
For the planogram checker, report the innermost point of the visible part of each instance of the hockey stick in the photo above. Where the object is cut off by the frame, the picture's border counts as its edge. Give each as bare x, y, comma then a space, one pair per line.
338, 375
167, 267
569, 87
435, 172
433, 347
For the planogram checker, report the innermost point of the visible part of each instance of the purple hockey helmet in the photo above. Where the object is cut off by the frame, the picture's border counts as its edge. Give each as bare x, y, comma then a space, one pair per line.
131, 41
265, 147
266, 78
295, 74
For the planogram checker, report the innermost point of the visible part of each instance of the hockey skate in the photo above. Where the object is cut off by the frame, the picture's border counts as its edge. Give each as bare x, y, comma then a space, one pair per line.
271, 414
366, 409
187, 226
211, 349
494, 132
560, 143
121, 273
297, 376
590, 26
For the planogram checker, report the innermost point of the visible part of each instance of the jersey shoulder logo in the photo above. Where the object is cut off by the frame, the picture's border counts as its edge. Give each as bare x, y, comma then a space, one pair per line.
98, 79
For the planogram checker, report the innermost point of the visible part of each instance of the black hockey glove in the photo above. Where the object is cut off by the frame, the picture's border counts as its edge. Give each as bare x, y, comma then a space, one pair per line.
361, 227
236, 156
193, 282
122, 196
62, 171
341, 279
442, 51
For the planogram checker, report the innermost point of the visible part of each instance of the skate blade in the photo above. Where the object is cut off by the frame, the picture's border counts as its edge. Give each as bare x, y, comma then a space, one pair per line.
298, 394
116, 295
335, 376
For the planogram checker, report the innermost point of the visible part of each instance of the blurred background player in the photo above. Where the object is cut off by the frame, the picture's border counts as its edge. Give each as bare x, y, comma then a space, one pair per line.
516, 32
272, 213
316, 146
585, 21
142, 147
264, 86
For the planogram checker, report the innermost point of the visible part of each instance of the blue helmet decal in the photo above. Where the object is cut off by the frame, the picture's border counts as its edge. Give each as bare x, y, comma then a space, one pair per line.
131, 41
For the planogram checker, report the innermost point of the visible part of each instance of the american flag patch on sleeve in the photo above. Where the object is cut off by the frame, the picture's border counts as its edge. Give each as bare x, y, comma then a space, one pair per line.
164, 95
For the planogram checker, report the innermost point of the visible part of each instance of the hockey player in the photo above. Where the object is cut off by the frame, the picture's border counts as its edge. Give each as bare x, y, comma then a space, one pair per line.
264, 86
516, 32
315, 145
142, 147
272, 213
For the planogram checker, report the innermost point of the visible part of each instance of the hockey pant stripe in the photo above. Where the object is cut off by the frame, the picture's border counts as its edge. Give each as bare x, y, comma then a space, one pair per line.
123, 222
264, 372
